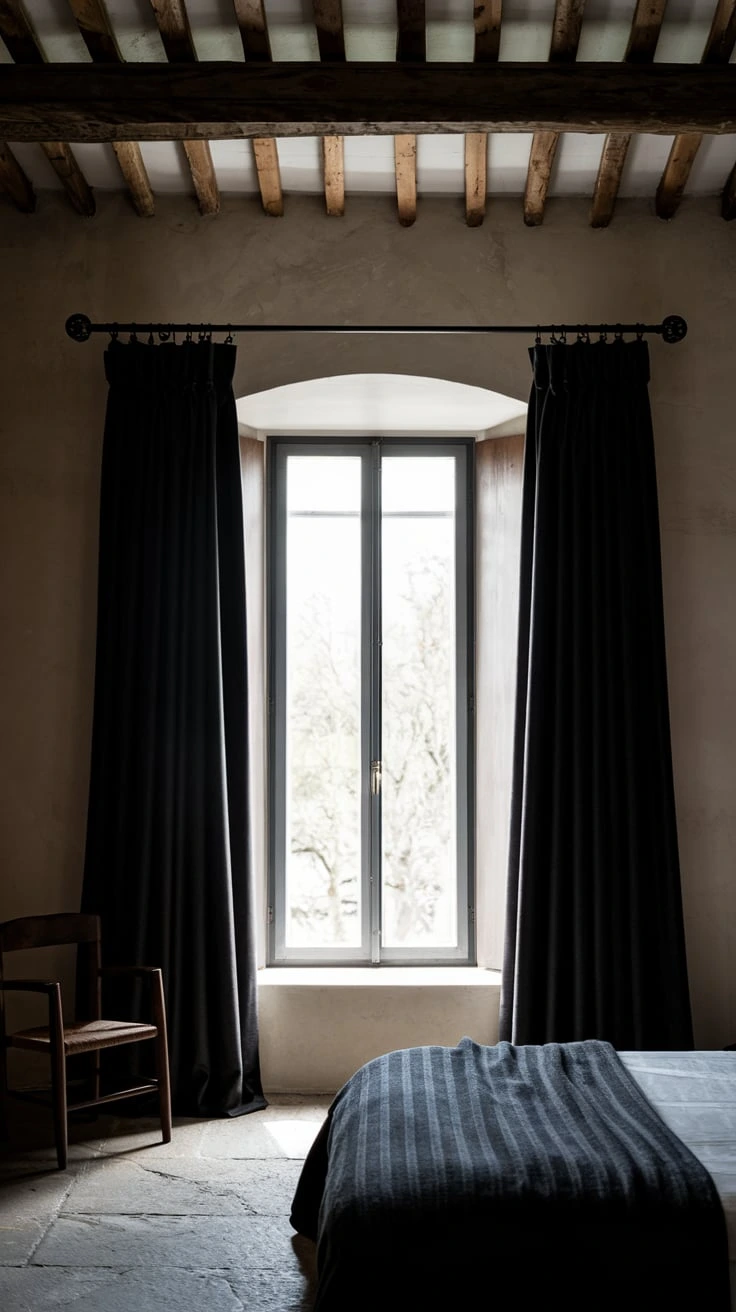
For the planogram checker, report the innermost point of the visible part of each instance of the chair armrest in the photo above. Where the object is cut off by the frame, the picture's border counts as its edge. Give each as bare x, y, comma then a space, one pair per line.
155, 977
130, 970
29, 985
52, 989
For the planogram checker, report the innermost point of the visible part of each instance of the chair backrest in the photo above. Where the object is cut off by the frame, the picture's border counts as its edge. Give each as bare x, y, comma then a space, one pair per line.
48, 931
28, 932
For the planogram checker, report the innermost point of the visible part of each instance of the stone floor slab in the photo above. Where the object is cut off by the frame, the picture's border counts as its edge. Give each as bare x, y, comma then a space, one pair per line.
185, 1187
30, 1200
157, 1242
142, 1135
35, 1289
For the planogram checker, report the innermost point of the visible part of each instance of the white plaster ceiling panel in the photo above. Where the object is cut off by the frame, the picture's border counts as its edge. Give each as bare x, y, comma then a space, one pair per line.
440, 165
508, 161
369, 161
713, 163
234, 165
645, 162
300, 164
166, 166
576, 164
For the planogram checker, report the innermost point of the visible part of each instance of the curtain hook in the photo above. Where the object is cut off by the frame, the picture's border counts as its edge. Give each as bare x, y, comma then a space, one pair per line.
538, 338
114, 333
163, 335
203, 334
229, 338
640, 332
603, 335
188, 337
618, 335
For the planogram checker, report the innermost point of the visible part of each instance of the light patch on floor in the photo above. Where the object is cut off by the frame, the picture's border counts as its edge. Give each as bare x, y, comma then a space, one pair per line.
136, 1224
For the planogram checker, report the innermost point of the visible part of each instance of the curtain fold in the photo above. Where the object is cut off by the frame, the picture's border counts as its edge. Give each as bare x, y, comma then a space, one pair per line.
168, 859
594, 933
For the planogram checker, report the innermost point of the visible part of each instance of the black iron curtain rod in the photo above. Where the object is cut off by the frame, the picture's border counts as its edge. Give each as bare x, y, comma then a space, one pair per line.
672, 329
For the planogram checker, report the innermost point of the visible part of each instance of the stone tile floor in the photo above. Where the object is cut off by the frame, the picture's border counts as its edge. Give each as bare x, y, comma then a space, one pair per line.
134, 1225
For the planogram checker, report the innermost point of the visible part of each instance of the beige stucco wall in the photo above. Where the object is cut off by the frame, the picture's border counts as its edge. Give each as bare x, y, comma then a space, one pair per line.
366, 268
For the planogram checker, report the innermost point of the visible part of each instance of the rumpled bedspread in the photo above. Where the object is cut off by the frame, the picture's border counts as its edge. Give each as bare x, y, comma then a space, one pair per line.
500, 1177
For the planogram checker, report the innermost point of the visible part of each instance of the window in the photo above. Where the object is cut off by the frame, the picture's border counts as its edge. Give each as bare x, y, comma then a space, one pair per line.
370, 691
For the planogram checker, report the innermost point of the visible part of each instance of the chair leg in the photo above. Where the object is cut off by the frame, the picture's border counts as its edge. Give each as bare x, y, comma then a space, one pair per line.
58, 1080
162, 1059
3, 1088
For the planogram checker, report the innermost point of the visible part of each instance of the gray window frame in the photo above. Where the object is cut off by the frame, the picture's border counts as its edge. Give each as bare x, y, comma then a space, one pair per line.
370, 450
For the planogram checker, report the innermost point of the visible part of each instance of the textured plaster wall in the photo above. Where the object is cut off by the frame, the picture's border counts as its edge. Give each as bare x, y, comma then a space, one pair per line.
365, 267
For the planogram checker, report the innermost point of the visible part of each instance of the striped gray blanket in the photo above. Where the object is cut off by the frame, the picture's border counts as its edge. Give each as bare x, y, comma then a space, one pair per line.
508, 1177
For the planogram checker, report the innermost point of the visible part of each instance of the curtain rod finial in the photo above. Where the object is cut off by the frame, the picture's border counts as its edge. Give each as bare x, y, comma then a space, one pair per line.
79, 327
674, 328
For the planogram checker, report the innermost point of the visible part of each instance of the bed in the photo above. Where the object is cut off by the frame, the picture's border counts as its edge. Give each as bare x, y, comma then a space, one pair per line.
498, 1177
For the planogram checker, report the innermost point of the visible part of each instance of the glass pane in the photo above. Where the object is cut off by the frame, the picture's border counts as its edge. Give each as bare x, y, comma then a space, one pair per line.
418, 782
323, 722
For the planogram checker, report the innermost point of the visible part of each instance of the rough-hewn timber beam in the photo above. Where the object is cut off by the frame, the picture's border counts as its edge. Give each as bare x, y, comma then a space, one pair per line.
172, 20
645, 29
13, 182
99, 38
162, 102
331, 39
718, 50
487, 23
563, 50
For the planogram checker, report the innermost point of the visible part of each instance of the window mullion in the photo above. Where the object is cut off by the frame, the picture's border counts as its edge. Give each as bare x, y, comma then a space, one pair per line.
374, 693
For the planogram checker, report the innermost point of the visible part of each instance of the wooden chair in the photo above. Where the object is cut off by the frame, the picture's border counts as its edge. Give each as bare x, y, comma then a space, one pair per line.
62, 1040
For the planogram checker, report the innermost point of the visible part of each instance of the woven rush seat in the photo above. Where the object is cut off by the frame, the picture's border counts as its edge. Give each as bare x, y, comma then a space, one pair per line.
85, 1036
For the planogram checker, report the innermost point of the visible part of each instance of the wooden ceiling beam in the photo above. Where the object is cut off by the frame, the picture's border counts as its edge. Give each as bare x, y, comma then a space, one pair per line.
266, 158
13, 181
168, 102
476, 177
411, 48
172, 20
411, 38
251, 16
405, 159
487, 24
253, 26
566, 26
333, 163
99, 38
718, 51
94, 24
63, 161
728, 199
331, 39
18, 34
23, 44
645, 29
330, 31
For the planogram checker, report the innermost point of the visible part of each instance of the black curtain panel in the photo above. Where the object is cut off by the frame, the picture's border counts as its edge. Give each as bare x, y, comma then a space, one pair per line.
594, 936
168, 864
